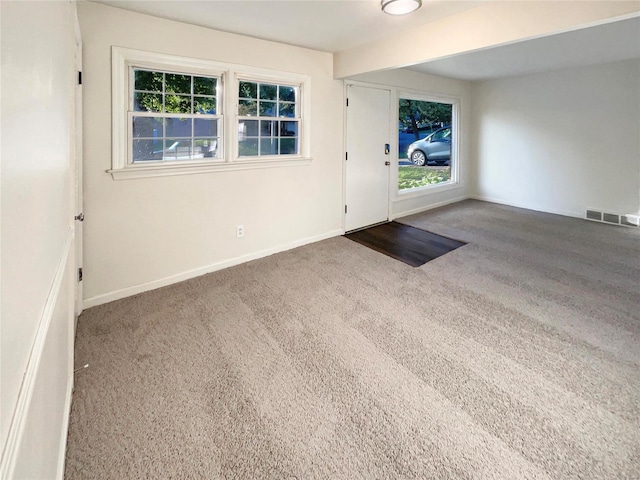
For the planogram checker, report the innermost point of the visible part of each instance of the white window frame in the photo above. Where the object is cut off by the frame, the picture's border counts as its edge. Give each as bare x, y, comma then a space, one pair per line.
299, 118
125, 59
456, 103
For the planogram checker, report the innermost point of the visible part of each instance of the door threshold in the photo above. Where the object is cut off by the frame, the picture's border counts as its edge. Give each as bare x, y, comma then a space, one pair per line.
368, 226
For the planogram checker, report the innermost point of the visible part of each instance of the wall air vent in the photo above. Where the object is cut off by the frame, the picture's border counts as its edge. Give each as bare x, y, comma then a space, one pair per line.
593, 215
613, 218
610, 218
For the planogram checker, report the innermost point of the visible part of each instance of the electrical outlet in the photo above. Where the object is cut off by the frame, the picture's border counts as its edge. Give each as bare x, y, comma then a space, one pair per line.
239, 231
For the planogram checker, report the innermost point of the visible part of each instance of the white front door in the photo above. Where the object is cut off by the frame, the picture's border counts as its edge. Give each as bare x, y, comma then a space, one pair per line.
367, 159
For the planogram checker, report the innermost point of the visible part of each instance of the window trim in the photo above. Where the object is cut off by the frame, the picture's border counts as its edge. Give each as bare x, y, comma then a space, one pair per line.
300, 118
123, 59
454, 183
302, 83
132, 113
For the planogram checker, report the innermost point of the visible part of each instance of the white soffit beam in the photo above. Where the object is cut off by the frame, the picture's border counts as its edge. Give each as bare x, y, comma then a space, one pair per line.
489, 25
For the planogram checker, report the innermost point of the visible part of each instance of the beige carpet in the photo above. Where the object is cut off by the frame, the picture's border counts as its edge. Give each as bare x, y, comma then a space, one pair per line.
516, 356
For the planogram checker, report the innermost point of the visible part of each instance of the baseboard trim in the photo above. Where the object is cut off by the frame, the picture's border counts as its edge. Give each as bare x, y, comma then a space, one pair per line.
163, 282
19, 418
65, 428
535, 208
428, 207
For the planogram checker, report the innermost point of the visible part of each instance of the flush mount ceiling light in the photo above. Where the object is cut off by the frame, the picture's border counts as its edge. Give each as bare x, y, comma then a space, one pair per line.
400, 7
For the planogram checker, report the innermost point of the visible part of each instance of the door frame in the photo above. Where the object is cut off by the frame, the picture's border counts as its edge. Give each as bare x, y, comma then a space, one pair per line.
77, 201
393, 142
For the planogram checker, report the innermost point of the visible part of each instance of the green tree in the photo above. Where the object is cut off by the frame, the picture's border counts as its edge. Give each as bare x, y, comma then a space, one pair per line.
414, 113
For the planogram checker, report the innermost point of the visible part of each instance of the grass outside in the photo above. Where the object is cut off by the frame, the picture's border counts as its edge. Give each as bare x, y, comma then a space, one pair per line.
413, 177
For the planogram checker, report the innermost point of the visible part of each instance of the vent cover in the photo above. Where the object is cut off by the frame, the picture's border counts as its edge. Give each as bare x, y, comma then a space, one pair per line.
613, 218
593, 215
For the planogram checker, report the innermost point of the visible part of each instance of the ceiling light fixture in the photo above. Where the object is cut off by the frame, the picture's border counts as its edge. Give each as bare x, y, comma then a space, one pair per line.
400, 7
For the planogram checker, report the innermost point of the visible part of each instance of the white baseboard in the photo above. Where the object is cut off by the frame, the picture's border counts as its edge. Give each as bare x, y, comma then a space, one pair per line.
11, 449
62, 454
535, 208
163, 282
429, 207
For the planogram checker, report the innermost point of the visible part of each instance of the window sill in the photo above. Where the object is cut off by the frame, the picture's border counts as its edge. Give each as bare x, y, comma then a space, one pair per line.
190, 169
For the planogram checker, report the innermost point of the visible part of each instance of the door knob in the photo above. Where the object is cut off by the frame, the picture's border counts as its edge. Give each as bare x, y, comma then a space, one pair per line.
387, 148
387, 163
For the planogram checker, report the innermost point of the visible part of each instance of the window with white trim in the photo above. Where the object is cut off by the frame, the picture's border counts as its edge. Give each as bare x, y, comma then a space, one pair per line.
175, 115
427, 142
268, 119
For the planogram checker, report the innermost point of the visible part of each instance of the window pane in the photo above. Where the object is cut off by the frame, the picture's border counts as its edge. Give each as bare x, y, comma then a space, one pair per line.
147, 102
177, 83
248, 147
204, 86
204, 105
147, 127
288, 146
268, 146
149, 81
177, 149
178, 127
268, 128
248, 128
205, 148
267, 109
205, 128
287, 110
248, 90
144, 150
424, 143
177, 104
268, 92
247, 108
287, 94
288, 129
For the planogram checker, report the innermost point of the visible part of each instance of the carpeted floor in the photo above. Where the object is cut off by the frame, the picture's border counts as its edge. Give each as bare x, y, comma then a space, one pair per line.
516, 356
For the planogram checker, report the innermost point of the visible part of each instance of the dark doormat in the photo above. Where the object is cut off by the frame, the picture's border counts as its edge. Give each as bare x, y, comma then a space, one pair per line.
410, 245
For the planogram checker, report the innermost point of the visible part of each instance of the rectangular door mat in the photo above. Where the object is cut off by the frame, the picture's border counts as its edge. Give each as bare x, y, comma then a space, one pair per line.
410, 245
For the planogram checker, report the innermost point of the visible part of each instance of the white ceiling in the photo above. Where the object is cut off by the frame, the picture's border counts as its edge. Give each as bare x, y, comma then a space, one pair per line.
338, 25
589, 46
326, 25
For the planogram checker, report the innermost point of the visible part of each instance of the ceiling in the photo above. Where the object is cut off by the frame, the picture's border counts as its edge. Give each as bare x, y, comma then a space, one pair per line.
338, 25
326, 25
588, 46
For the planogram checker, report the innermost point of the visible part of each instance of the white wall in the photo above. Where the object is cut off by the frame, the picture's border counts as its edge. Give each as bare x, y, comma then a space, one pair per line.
408, 81
37, 255
562, 141
144, 233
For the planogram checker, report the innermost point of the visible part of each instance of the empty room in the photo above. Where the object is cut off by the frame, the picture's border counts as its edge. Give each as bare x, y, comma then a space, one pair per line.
358, 239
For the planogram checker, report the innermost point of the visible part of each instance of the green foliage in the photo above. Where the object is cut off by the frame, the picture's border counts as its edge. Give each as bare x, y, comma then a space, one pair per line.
204, 86
150, 85
413, 177
268, 92
177, 104
148, 81
248, 90
418, 113
175, 83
